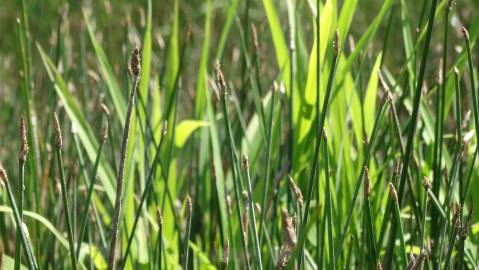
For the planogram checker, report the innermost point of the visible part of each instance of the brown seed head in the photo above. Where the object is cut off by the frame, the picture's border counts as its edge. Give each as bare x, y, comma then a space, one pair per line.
274, 88
255, 38
229, 204
456, 217
135, 66
245, 163
187, 33
3, 174
105, 110
58, 131
159, 216
257, 208
283, 258
164, 128
23, 136
426, 183
411, 262
465, 33
220, 79
394, 194
289, 233
246, 199
226, 254
336, 47
296, 191
367, 186
188, 205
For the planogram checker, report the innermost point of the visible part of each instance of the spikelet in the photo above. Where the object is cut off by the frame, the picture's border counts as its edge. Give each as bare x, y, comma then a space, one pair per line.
336, 47
367, 186
245, 216
411, 261
289, 232
159, 217
58, 131
229, 205
245, 163
23, 137
226, 254
3, 174
106, 113
164, 128
394, 194
189, 206
296, 191
255, 38
465, 33
426, 183
135, 66
220, 79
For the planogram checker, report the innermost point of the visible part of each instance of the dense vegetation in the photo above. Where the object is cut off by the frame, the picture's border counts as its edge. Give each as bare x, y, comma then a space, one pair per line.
239, 134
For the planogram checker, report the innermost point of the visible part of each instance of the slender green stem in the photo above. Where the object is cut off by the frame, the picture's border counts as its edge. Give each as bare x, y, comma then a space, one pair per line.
252, 216
352, 205
21, 189
66, 207
189, 212
229, 140
397, 213
121, 171
321, 119
87, 202
144, 195
23, 234
268, 164
328, 205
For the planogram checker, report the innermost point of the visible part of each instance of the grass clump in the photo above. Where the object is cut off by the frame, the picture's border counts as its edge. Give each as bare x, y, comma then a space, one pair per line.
243, 135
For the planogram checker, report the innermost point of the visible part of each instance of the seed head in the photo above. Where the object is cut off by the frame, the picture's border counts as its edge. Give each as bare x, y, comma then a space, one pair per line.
3, 174
229, 204
159, 216
23, 136
456, 217
257, 208
449, 4
188, 205
135, 66
274, 88
465, 33
220, 79
255, 37
164, 128
245, 163
394, 194
296, 191
283, 258
58, 131
105, 110
226, 254
367, 188
336, 47
289, 233
426, 183
411, 262
106, 113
